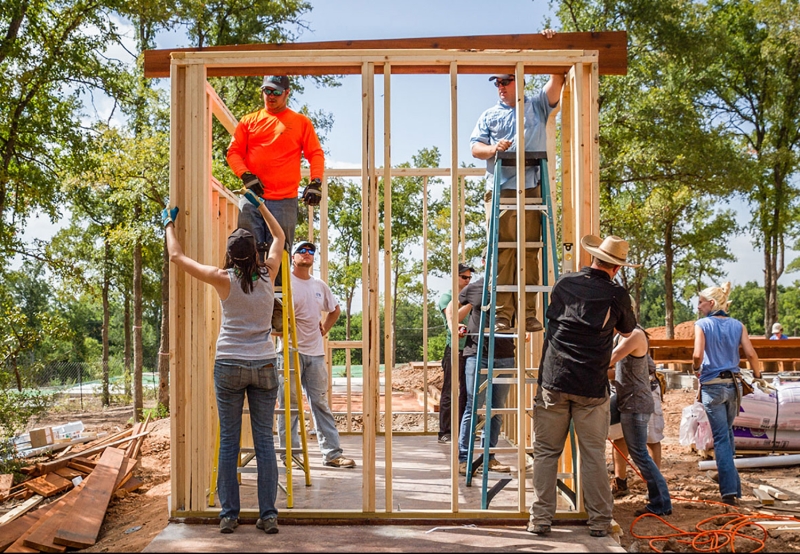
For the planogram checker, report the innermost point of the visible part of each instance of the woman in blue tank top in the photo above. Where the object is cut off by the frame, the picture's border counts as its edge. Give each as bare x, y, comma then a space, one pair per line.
245, 359
717, 338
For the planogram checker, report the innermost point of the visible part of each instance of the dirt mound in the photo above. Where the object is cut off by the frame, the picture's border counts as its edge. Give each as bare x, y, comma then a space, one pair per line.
683, 330
409, 378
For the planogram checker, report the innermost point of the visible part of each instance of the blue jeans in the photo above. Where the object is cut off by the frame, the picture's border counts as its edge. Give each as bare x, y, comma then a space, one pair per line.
634, 429
499, 396
314, 380
259, 379
285, 211
720, 404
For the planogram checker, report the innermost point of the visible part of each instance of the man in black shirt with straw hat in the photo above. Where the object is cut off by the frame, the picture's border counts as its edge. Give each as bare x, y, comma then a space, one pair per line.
586, 309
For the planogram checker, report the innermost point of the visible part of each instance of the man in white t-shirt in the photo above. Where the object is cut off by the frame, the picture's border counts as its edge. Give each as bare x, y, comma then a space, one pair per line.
311, 297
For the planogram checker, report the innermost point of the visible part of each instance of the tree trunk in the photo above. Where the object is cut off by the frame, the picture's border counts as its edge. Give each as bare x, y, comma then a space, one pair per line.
138, 403
106, 319
669, 287
163, 350
127, 353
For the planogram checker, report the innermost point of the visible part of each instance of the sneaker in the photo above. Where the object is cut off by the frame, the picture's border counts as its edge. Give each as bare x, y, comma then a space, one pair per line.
647, 510
598, 533
270, 526
503, 326
538, 528
619, 487
341, 461
494, 465
532, 325
445, 439
228, 524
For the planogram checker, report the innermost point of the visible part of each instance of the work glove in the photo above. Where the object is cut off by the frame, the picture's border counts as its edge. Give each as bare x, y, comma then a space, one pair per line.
312, 194
251, 182
253, 199
168, 215
762, 384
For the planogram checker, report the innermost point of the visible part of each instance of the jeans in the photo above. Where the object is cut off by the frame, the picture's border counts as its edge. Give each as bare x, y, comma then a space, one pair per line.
285, 211
499, 395
259, 379
720, 404
445, 402
554, 412
314, 380
634, 429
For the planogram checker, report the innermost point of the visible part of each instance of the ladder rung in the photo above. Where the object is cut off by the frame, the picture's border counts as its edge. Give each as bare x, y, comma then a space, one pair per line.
565, 476
513, 202
512, 381
532, 244
512, 207
531, 370
528, 288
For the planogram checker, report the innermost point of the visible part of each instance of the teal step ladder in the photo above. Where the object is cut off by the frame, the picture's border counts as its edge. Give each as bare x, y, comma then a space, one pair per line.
511, 376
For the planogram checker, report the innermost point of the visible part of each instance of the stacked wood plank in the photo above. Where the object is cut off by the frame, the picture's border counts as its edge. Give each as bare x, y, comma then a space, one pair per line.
91, 476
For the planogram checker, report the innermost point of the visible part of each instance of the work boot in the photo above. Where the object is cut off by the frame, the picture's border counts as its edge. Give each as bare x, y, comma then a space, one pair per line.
533, 325
619, 487
494, 465
269, 526
462, 468
502, 325
228, 524
341, 461
730, 500
538, 528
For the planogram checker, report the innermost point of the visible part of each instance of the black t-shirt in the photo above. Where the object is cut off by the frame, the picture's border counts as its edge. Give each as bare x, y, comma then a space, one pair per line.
585, 308
472, 294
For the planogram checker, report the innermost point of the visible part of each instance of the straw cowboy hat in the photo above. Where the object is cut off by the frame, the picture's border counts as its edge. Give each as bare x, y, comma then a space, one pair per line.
611, 249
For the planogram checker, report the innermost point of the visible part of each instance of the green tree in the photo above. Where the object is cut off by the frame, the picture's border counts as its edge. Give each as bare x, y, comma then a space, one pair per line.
750, 60
747, 305
344, 264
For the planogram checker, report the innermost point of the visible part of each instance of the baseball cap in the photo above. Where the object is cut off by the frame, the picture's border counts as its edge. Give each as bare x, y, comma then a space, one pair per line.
241, 244
275, 82
463, 268
300, 245
501, 76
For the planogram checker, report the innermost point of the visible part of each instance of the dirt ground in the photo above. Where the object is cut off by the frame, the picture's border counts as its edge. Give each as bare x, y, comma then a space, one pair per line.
134, 520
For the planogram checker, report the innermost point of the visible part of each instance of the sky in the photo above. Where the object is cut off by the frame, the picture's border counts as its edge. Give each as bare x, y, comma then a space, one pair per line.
420, 104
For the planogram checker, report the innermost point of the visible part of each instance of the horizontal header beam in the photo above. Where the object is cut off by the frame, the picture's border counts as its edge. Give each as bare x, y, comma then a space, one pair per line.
612, 48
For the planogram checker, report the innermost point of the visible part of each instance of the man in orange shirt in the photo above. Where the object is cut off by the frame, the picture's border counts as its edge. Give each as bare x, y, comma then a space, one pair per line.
265, 153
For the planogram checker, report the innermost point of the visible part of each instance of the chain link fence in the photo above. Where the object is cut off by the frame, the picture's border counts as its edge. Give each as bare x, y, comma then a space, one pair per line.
79, 385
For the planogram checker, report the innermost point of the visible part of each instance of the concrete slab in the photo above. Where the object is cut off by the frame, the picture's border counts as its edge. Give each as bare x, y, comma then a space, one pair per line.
181, 537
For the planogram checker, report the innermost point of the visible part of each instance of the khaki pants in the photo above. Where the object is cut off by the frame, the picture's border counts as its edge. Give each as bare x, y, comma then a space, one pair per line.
591, 417
506, 302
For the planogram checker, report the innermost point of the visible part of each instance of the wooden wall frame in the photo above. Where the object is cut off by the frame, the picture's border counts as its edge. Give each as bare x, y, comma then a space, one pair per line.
194, 309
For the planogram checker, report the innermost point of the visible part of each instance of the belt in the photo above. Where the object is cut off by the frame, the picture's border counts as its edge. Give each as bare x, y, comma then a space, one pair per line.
723, 378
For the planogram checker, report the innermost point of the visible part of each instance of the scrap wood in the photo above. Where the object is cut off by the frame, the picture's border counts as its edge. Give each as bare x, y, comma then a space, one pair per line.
70, 473
10, 532
82, 526
125, 472
19, 544
105, 441
46, 467
48, 485
86, 470
773, 492
131, 484
41, 536
64, 452
20, 510
764, 497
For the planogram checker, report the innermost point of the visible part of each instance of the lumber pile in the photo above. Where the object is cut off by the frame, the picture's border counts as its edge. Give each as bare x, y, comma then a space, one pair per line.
87, 480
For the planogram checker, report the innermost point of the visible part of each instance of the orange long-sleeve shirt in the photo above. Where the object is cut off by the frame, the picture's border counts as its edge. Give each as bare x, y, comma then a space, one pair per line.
269, 146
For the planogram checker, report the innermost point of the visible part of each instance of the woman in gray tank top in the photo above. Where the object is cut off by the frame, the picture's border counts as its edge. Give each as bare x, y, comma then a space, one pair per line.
635, 402
245, 359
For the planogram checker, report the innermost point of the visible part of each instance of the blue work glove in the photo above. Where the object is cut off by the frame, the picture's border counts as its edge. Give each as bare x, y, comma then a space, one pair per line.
252, 198
251, 182
312, 194
168, 215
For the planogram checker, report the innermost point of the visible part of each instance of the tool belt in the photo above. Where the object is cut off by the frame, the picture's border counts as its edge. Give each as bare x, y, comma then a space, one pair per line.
724, 378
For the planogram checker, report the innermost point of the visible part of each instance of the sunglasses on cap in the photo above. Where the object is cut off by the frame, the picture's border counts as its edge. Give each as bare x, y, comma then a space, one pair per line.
271, 91
504, 82
305, 250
